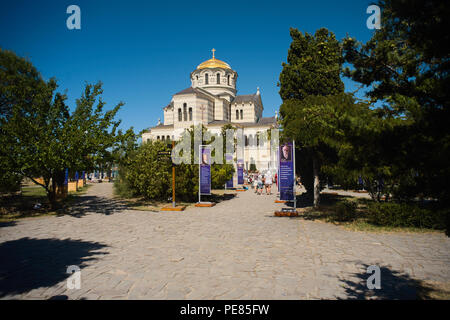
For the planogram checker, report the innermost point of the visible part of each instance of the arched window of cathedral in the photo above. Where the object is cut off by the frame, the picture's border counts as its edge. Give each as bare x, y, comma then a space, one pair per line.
228, 79
185, 111
242, 113
179, 115
246, 141
157, 138
237, 114
190, 114
218, 78
168, 138
163, 138
206, 78
229, 112
196, 77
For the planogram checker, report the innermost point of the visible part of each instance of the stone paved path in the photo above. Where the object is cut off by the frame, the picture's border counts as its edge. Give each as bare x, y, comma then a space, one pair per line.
235, 250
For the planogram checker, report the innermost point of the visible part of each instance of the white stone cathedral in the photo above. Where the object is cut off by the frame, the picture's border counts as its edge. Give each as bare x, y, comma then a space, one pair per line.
211, 100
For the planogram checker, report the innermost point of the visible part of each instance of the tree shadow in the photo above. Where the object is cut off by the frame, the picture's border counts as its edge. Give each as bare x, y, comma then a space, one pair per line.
395, 285
305, 200
217, 198
7, 224
94, 204
30, 263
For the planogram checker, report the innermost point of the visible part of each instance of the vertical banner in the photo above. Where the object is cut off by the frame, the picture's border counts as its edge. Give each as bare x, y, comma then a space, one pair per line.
76, 175
240, 171
286, 172
66, 177
278, 169
205, 170
229, 157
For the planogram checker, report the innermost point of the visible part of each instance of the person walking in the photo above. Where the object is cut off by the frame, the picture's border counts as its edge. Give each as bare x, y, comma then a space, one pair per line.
268, 183
260, 185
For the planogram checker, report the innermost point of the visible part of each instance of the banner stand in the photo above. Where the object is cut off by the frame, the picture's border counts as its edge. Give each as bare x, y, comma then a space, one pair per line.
288, 212
240, 175
200, 156
277, 200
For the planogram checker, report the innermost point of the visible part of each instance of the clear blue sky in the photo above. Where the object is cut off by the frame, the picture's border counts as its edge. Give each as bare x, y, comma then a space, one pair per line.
144, 51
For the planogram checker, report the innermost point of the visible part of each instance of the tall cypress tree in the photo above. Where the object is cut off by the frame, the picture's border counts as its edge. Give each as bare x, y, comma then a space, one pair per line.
311, 74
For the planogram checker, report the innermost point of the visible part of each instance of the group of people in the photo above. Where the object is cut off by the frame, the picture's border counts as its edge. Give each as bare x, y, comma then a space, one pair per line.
261, 181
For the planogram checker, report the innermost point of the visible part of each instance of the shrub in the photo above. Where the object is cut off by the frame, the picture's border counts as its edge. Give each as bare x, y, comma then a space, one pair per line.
9, 182
122, 187
145, 174
345, 211
406, 215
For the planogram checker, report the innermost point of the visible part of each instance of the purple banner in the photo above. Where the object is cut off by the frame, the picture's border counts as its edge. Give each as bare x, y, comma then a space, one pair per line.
66, 177
205, 171
229, 158
286, 172
240, 171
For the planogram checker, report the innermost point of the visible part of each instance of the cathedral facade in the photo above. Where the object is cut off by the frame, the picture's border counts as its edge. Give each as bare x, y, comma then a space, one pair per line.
212, 100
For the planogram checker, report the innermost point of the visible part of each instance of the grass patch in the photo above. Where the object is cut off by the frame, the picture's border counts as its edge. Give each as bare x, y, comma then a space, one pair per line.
433, 291
22, 205
356, 214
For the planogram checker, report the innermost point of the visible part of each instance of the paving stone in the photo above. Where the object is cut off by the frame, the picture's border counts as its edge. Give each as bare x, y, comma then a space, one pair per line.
234, 250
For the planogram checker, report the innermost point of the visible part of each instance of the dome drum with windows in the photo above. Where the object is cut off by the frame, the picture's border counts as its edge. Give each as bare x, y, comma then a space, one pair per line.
216, 75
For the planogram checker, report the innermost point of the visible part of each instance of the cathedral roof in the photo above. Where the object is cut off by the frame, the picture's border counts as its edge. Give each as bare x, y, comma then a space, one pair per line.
191, 90
261, 122
186, 91
245, 98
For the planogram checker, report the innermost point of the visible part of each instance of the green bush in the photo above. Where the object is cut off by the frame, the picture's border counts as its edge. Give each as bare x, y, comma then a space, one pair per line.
406, 215
345, 211
145, 174
122, 187
9, 182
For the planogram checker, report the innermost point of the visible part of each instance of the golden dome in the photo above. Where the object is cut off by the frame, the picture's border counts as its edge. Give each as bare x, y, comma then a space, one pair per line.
213, 63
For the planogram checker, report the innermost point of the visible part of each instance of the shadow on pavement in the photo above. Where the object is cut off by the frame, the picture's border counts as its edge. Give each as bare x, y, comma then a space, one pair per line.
394, 286
95, 204
29, 263
7, 224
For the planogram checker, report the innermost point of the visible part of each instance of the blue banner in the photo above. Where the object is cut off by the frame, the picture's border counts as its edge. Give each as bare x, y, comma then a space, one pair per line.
229, 158
76, 175
286, 172
66, 177
240, 171
205, 171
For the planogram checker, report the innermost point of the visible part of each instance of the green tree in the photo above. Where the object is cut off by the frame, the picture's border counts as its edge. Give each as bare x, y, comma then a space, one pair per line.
311, 74
406, 67
40, 137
